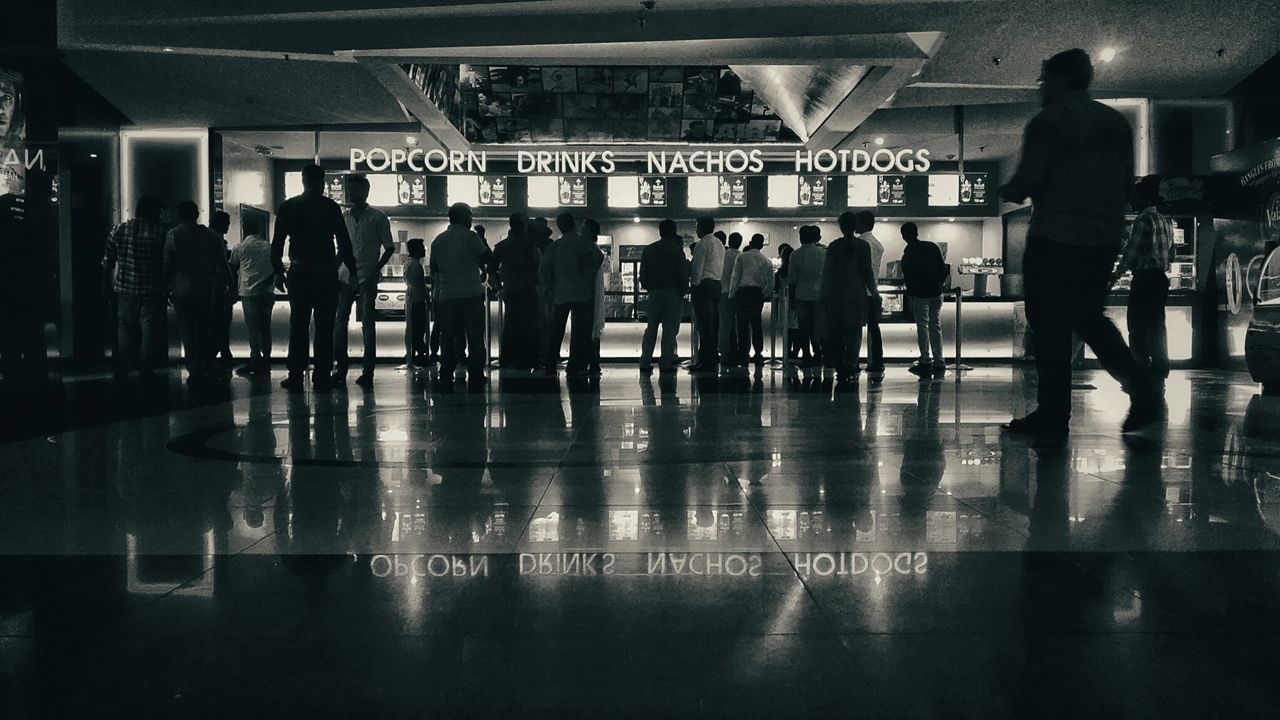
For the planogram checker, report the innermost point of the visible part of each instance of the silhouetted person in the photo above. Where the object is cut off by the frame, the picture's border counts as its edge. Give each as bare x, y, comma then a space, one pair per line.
568, 274
705, 277
847, 294
224, 298
312, 224
194, 266
371, 243
752, 279
459, 259
416, 298
1146, 256
133, 268
923, 273
875, 343
784, 324
515, 260
664, 275
1077, 167
591, 233
251, 261
728, 336
804, 276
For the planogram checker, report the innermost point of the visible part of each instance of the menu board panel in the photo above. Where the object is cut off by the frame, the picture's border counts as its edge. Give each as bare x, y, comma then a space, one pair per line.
384, 191
493, 191
944, 190
891, 190
572, 191
653, 191
412, 189
973, 189
703, 191
862, 191
732, 191
813, 191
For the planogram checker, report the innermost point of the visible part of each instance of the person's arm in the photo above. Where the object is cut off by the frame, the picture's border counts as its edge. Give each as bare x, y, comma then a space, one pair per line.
547, 273
170, 262
1033, 166
735, 278
384, 238
221, 270
109, 258
1129, 254
868, 278
277, 246
345, 250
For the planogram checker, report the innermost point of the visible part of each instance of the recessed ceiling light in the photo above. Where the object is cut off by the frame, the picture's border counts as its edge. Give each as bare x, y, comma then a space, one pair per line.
168, 49
879, 141
746, 220
1107, 55
951, 219
411, 139
93, 155
635, 219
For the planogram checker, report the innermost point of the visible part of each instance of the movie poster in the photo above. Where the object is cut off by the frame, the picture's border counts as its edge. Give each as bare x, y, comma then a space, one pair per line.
13, 134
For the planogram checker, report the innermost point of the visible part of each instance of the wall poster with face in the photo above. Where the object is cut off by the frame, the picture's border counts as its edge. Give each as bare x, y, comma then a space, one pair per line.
13, 134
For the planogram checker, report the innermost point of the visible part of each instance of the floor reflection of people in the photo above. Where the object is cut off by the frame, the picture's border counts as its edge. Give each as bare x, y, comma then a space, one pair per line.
923, 458
459, 457
262, 471
310, 525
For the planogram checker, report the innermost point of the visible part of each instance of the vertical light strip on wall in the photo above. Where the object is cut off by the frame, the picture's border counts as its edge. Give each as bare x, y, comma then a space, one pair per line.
199, 135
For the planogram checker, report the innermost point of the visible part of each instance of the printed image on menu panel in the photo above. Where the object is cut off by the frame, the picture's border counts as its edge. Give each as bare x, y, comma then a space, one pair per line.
733, 191
411, 189
573, 192
336, 189
653, 191
973, 189
891, 190
813, 191
493, 191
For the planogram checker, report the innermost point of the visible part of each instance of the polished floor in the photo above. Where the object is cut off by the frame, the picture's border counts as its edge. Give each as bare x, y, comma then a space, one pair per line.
683, 546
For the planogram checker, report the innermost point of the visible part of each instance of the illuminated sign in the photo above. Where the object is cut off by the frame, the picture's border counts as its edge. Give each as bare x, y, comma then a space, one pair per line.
862, 191
493, 191
732, 191
944, 190
973, 189
891, 190
812, 191
653, 192
736, 161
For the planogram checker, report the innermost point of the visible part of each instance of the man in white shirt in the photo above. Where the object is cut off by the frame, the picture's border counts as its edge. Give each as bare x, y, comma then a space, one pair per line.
371, 242
728, 336
752, 278
804, 276
251, 261
705, 279
875, 343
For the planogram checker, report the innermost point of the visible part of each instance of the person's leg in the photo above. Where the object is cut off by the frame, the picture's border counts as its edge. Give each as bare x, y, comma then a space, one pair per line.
449, 323
473, 310
1138, 320
727, 337
326, 304
342, 327
1092, 276
1049, 294
301, 308
706, 298
742, 319
875, 345
806, 333
920, 313
416, 329
757, 324
128, 332
670, 314
153, 317
555, 336
525, 321
653, 320
436, 332
186, 311
249, 312
369, 324
1160, 331
833, 339
935, 332
580, 335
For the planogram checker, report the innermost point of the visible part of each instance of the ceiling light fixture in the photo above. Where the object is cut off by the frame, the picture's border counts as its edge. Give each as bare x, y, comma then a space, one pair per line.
635, 219
879, 141
93, 155
1107, 55
411, 140
168, 49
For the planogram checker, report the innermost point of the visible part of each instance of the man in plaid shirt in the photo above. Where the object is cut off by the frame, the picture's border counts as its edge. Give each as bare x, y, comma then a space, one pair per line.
134, 269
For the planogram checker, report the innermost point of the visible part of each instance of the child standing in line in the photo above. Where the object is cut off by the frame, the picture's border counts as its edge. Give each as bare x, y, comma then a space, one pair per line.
415, 302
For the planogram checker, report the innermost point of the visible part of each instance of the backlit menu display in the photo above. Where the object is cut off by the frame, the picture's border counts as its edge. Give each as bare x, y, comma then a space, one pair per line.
411, 189
703, 191
572, 191
653, 191
891, 190
813, 191
732, 191
862, 191
973, 189
944, 190
384, 191
492, 191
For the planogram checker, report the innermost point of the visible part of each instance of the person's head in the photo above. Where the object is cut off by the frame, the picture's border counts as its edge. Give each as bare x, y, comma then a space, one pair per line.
809, 234
757, 241
848, 223
735, 240
479, 230
11, 121
518, 223
706, 225
252, 226
667, 229
866, 220
719, 235
1146, 193
220, 222
590, 228
460, 214
785, 250
313, 179
188, 212
358, 189
910, 232
1065, 72
416, 247
148, 208
565, 222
